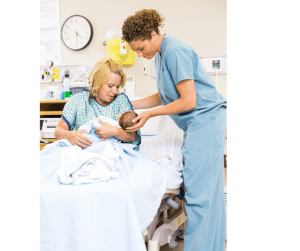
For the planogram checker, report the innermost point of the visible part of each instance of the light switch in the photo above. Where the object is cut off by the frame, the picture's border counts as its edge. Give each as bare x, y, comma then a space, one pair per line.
144, 69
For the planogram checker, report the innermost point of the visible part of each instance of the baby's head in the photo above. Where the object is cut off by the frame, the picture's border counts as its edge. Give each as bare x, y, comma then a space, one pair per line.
126, 119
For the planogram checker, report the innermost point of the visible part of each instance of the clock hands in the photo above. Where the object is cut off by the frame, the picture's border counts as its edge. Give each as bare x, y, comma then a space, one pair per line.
73, 24
77, 34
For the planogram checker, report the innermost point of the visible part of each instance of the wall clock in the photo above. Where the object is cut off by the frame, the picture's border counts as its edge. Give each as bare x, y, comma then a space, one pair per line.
77, 32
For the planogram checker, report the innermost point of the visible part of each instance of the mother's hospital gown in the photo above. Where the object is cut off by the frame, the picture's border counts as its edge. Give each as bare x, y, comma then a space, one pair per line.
203, 146
80, 109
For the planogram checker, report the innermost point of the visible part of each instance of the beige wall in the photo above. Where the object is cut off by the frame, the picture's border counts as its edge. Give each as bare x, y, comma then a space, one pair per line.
199, 23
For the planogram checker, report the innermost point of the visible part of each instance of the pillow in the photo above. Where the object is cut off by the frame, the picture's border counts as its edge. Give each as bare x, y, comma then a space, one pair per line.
151, 126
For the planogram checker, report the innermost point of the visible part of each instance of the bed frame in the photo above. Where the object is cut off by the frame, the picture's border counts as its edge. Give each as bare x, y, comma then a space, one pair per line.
168, 223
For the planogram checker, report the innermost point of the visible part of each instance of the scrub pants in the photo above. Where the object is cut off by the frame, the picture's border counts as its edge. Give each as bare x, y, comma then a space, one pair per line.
203, 151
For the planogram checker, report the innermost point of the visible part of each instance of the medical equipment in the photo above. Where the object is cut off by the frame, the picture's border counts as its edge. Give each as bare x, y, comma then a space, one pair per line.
119, 50
47, 127
67, 91
79, 87
47, 72
215, 65
79, 82
53, 92
49, 63
59, 73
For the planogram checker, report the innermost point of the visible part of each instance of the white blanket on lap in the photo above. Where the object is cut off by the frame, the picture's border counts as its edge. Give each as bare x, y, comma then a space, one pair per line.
105, 216
79, 166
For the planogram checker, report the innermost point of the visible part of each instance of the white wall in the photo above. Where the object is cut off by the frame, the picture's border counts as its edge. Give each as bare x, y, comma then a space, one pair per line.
199, 23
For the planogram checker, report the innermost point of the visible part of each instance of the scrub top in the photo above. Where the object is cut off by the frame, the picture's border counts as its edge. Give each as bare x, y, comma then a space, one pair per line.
178, 61
203, 144
81, 109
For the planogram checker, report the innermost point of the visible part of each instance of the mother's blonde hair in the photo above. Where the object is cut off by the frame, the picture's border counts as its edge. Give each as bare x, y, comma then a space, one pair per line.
100, 74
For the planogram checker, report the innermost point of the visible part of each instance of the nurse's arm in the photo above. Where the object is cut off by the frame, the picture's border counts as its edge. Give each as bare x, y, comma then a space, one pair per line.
148, 102
187, 101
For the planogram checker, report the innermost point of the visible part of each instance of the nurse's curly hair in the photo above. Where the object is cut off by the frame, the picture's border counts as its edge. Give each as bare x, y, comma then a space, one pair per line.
100, 74
140, 25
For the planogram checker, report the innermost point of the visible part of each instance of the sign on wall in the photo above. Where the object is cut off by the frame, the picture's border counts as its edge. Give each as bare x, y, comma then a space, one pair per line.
49, 32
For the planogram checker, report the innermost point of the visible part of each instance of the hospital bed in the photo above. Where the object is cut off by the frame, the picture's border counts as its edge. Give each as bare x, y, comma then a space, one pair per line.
71, 215
162, 140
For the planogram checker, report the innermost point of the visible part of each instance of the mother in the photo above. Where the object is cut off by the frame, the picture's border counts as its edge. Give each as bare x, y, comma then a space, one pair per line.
102, 99
189, 96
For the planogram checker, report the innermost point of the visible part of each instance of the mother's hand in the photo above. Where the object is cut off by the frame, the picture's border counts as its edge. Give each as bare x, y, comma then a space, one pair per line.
105, 131
77, 139
141, 119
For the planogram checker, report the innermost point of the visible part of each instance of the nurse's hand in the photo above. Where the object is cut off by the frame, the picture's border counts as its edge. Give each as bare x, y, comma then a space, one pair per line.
105, 131
141, 119
77, 139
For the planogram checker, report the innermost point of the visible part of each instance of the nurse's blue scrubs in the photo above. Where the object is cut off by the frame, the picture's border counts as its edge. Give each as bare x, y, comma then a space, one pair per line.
203, 146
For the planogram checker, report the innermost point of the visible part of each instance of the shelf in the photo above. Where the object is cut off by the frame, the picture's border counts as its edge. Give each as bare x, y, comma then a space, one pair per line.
43, 113
43, 144
53, 101
48, 140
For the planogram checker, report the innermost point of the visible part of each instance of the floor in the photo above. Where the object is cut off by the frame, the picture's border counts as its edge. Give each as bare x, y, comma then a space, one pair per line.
181, 242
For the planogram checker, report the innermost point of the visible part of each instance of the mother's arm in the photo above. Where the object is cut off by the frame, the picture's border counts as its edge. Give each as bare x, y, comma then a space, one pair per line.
106, 130
75, 137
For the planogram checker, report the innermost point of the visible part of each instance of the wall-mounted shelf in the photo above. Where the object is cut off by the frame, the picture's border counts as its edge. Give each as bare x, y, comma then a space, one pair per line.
53, 101
51, 109
50, 113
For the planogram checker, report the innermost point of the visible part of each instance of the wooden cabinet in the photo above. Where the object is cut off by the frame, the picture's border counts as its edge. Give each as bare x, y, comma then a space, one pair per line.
51, 109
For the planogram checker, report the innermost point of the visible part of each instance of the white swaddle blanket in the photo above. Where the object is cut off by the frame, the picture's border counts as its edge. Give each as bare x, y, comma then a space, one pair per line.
78, 166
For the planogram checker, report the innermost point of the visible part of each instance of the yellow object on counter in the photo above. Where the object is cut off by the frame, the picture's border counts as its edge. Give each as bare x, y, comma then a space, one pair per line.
114, 52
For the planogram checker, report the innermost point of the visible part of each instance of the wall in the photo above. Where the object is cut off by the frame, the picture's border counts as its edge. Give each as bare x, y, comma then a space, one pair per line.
199, 23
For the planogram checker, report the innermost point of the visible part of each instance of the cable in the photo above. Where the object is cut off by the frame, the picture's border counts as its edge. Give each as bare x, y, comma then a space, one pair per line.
216, 77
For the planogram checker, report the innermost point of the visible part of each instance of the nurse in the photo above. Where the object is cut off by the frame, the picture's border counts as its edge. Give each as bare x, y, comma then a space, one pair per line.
189, 96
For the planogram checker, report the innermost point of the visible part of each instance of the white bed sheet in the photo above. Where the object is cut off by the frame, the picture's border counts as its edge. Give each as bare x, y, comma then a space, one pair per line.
167, 143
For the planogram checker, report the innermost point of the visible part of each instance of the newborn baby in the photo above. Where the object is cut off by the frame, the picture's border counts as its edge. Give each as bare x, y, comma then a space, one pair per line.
126, 119
123, 122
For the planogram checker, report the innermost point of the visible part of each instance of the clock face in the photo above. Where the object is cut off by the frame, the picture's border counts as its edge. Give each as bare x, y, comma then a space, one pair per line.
77, 32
